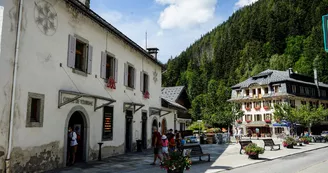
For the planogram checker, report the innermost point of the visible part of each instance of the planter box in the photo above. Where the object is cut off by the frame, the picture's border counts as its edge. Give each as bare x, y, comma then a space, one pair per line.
290, 146
256, 156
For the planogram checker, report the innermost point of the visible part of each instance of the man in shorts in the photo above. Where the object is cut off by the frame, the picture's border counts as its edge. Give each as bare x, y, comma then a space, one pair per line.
157, 144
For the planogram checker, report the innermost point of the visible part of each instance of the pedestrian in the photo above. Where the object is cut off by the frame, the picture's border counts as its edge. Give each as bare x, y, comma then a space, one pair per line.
171, 143
73, 144
238, 135
177, 141
257, 130
165, 148
249, 133
156, 144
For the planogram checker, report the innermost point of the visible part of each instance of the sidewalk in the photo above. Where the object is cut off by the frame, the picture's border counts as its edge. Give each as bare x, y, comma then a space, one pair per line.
223, 157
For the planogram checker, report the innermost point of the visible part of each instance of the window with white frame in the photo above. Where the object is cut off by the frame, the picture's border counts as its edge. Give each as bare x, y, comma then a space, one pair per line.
79, 55
268, 116
129, 75
109, 66
294, 89
258, 117
302, 91
248, 117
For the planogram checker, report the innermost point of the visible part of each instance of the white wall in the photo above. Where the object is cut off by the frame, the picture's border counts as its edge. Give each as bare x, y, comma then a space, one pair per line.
38, 71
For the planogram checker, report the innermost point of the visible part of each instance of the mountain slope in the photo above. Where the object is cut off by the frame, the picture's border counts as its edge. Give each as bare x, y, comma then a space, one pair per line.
275, 34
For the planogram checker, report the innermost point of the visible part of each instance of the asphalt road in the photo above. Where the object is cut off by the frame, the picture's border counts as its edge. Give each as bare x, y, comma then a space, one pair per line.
310, 162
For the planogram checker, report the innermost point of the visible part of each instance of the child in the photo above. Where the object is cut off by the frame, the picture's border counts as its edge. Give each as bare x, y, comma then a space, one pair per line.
165, 148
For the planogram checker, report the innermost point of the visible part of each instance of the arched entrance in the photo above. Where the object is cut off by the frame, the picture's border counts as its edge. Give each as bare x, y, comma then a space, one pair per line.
78, 120
154, 124
164, 126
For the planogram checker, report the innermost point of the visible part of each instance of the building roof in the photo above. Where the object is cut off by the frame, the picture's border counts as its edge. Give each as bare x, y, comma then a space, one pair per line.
172, 93
102, 22
274, 76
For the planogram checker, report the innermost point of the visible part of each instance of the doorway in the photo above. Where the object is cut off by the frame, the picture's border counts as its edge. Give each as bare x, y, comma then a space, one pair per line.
128, 130
144, 130
154, 124
77, 123
163, 126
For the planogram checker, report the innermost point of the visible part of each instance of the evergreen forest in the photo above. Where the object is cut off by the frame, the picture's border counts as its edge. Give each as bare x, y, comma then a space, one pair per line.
270, 34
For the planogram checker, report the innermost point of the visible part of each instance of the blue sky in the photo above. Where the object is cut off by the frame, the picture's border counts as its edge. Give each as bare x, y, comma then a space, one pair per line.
171, 25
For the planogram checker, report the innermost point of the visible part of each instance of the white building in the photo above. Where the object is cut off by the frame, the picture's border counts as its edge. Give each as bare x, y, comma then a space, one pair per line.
68, 61
258, 94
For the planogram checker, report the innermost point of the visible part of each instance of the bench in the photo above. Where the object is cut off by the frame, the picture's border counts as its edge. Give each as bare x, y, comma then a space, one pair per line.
243, 144
196, 151
270, 143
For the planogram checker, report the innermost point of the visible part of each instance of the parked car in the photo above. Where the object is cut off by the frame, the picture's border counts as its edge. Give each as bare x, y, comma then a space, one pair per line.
324, 133
191, 139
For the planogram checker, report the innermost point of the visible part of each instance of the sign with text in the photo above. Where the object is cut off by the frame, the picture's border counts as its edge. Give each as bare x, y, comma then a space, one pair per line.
82, 101
325, 31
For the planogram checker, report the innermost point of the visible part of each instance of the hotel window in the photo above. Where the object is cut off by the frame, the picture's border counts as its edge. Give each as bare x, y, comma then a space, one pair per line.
248, 105
254, 92
302, 90
307, 91
294, 89
238, 93
268, 116
79, 55
107, 133
144, 82
258, 117
259, 91
312, 91
247, 92
35, 110
248, 117
276, 89
323, 93
292, 103
257, 104
303, 102
109, 66
129, 75
266, 90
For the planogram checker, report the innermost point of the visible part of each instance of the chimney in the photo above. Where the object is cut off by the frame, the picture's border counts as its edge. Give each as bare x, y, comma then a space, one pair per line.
290, 71
85, 2
316, 80
153, 52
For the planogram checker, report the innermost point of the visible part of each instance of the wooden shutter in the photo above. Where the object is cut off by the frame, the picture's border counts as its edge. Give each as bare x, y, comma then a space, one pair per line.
116, 70
103, 65
142, 81
90, 51
134, 78
125, 74
71, 51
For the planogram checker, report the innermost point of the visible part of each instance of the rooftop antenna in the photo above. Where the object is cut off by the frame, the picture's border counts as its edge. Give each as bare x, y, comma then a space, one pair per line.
146, 40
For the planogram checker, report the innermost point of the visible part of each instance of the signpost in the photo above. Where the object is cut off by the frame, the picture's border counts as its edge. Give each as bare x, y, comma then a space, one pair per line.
325, 31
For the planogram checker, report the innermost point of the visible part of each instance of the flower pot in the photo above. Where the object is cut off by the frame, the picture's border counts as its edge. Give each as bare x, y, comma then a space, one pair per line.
256, 156
174, 171
290, 146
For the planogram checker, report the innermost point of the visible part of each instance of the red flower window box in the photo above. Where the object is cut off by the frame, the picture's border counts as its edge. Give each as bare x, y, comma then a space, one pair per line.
266, 107
248, 121
146, 95
267, 121
248, 109
257, 108
111, 83
239, 121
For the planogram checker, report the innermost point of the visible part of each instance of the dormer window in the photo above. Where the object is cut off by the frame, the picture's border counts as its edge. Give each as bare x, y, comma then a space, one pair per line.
247, 92
266, 90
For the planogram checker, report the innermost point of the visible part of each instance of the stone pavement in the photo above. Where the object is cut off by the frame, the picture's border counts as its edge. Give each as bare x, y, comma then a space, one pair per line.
223, 157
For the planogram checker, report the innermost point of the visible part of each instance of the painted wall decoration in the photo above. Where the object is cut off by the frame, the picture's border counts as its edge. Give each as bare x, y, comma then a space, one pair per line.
155, 76
45, 17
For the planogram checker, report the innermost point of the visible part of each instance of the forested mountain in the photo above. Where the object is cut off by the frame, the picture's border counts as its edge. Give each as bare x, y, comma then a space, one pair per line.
274, 34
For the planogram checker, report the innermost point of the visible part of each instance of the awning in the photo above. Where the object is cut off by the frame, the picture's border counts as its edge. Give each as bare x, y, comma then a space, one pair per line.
158, 111
135, 106
78, 95
257, 124
280, 125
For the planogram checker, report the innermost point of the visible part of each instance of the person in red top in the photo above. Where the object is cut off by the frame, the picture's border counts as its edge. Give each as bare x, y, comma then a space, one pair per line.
157, 144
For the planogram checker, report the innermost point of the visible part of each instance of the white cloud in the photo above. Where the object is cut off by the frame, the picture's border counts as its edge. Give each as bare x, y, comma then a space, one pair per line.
242, 3
185, 13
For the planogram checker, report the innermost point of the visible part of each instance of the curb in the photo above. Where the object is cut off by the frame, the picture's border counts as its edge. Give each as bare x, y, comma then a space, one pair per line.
268, 160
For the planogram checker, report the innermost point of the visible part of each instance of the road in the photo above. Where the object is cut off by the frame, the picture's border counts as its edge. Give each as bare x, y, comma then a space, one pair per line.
310, 162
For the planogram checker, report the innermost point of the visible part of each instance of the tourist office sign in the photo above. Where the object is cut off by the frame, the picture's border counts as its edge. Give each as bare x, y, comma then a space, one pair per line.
325, 31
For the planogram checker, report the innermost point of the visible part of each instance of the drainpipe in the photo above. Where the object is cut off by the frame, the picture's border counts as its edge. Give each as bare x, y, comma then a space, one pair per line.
13, 91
